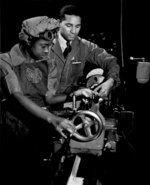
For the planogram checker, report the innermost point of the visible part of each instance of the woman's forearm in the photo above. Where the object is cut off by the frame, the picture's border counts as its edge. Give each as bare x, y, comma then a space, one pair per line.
56, 99
32, 107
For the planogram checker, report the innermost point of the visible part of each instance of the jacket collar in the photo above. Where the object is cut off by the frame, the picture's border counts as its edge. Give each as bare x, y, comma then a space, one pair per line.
57, 49
16, 55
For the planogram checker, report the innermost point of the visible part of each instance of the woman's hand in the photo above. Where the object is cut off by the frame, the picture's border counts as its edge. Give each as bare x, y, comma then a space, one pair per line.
62, 124
87, 93
59, 123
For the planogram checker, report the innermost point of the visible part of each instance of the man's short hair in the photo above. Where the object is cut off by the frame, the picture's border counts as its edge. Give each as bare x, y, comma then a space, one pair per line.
69, 10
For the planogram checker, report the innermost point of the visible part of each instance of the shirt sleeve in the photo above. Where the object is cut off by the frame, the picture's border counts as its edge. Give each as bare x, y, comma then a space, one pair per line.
10, 78
12, 82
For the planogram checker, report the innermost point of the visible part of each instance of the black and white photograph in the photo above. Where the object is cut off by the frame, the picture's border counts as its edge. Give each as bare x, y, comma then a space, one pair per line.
74, 92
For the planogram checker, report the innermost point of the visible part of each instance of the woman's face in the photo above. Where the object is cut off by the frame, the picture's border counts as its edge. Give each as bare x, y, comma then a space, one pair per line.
40, 48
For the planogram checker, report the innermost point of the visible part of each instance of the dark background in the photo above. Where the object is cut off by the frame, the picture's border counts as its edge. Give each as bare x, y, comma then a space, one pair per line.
120, 20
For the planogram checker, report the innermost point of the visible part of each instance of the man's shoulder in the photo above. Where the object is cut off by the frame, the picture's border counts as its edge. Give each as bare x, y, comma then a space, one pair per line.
85, 42
82, 40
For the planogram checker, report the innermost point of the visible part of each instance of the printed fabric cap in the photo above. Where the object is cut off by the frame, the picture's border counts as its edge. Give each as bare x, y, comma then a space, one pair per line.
36, 25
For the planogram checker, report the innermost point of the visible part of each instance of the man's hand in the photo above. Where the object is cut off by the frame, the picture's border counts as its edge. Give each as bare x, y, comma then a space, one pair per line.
104, 88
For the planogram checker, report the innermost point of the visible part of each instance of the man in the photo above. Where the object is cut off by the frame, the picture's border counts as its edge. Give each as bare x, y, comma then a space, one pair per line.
73, 58
82, 54
27, 125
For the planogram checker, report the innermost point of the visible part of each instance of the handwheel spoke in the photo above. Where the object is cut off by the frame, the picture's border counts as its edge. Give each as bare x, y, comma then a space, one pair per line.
88, 121
82, 117
88, 131
80, 126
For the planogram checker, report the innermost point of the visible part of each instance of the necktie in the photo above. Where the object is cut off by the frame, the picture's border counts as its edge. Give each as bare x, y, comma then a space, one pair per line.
67, 50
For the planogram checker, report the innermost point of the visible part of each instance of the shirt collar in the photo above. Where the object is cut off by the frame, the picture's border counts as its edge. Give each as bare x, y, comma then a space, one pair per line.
16, 55
62, 42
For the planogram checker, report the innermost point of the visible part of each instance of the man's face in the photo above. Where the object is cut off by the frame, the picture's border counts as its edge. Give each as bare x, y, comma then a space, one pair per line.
40, 48
70, 27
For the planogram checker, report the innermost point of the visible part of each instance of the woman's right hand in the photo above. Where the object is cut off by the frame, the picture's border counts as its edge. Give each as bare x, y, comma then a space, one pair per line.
62, 124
